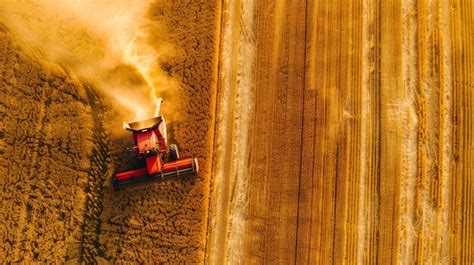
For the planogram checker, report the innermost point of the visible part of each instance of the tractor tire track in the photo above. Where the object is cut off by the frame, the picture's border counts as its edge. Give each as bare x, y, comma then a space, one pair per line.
100, 171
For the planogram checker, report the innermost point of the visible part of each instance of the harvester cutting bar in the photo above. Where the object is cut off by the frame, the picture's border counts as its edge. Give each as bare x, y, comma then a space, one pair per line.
179, 168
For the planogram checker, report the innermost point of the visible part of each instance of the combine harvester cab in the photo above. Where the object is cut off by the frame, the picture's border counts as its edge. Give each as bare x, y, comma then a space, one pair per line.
162, 161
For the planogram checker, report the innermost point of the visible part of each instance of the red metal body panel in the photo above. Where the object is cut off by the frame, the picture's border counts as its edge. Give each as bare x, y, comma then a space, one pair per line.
131, 174
146, 141
161, 142
178, 164
153, 164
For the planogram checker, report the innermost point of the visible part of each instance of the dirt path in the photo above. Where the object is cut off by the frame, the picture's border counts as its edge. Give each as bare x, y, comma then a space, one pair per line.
235, 108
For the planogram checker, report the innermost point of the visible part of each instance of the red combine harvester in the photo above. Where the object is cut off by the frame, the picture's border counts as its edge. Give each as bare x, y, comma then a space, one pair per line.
162, 161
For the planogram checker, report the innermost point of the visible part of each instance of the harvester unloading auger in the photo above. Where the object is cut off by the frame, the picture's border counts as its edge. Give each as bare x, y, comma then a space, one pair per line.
162, 160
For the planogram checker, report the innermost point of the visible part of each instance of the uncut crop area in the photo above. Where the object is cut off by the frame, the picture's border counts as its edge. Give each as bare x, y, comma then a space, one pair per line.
326, 131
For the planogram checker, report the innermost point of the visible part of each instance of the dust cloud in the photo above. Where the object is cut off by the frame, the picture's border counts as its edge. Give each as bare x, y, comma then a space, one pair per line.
104, 42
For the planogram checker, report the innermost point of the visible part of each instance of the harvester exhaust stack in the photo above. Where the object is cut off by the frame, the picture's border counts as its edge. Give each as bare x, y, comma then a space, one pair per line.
158, 103
162, 160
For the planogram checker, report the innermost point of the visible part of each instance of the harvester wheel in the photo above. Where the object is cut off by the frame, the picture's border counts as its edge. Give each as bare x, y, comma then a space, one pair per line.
174, 153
